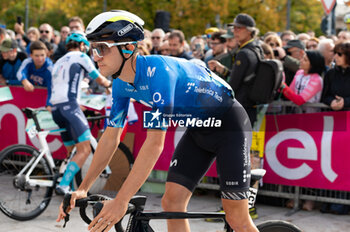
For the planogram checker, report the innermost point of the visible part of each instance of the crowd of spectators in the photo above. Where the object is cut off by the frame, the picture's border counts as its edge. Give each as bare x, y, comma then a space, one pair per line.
216, 48
316, 69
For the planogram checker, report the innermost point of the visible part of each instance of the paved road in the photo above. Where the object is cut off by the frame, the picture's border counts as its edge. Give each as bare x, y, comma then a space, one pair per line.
312, 221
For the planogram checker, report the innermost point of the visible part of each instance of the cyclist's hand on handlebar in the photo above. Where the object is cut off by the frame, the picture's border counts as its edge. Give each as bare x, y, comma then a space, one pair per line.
111, 213
75, 195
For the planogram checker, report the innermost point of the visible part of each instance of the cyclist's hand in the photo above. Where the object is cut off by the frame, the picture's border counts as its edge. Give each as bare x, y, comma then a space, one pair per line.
111, 213
75, 195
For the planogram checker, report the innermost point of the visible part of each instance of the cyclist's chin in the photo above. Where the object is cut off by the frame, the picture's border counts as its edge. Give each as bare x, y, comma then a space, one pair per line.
105, 71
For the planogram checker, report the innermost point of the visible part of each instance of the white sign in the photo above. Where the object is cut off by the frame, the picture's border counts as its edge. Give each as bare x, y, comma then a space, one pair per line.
328, 5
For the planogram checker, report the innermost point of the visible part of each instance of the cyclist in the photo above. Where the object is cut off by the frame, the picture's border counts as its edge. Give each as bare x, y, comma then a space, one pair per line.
174, 87
67, 75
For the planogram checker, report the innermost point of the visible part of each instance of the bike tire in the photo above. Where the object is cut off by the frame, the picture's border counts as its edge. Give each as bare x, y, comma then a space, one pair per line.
278, 226
127, 160
14, 202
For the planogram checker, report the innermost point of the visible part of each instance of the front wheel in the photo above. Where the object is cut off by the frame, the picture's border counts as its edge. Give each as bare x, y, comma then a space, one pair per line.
278, 226
18, 199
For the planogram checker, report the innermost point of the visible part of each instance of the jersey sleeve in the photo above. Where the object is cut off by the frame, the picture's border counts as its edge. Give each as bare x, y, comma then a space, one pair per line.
86, 62
22, 72
119, 109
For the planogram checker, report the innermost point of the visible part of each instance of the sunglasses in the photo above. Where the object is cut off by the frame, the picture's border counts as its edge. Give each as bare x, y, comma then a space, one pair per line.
42, 31
155, 37
339, 53
101, 49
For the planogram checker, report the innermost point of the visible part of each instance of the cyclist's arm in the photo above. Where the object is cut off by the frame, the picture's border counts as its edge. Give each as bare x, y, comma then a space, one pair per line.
114, 210
144, 163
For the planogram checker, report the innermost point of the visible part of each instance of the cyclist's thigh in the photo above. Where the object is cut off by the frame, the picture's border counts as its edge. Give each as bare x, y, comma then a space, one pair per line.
77, 125
233, 159
62, 123
189, 162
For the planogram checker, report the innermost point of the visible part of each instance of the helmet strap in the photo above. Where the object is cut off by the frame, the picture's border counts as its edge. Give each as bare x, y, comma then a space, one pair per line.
122, 51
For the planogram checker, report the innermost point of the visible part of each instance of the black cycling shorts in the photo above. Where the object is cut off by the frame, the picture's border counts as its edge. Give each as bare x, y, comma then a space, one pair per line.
229, 144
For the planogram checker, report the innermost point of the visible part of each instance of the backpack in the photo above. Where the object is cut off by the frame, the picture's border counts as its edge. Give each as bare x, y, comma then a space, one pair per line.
266, 80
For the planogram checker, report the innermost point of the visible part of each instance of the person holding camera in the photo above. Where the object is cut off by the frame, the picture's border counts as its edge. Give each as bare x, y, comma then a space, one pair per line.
290, 55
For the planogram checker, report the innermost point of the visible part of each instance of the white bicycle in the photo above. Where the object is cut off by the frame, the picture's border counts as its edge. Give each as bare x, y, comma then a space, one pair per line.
28, 176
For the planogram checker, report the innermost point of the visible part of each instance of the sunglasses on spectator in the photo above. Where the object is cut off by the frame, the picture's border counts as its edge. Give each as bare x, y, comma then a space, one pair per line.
101, 49
42, 31
272, 44
155, 37
339, 53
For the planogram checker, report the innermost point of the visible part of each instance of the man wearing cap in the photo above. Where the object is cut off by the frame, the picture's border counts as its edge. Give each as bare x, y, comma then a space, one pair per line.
291, 56
245, 62
10, 62
227, 58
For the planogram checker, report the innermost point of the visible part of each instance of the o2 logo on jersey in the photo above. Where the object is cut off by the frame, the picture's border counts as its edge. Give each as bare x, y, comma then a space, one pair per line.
151, 71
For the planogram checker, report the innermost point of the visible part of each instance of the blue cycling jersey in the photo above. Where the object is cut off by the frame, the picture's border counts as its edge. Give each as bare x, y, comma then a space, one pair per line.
172, 86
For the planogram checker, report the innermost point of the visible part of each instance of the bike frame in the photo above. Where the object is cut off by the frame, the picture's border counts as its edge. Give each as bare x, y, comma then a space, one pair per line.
44, 151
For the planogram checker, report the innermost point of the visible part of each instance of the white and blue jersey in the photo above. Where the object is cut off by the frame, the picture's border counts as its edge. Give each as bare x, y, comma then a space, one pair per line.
38, 77
67, 74
172, 86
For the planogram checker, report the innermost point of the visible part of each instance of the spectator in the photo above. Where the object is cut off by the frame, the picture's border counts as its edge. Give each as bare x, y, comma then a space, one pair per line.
326, 47
157, 40
273, 40
303, 37
231, 43
245, 62
46, 34
76, 24
56, 37
312, 43
33, 34
336, 91
176, 43
3, 35
197, 47
10, 62
165, 48
218, 44
307, 83
343, 36
36, 70
142, 48
61, 48
286, 36
291, 55
268, 52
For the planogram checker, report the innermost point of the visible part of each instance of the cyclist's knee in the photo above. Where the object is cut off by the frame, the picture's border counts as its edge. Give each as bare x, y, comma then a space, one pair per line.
84, 148
175, 198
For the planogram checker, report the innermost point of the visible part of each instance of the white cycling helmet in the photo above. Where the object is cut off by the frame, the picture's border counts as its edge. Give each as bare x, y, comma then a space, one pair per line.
115, 25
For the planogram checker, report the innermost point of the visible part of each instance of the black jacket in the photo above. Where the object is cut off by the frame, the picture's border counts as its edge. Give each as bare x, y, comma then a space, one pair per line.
244, 65
336, 82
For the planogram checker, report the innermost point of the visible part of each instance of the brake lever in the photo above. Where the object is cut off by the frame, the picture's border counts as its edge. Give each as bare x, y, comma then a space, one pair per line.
66, 203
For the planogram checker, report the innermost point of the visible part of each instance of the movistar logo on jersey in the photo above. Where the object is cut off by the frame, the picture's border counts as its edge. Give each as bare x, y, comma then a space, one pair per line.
152, 120
151, 71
